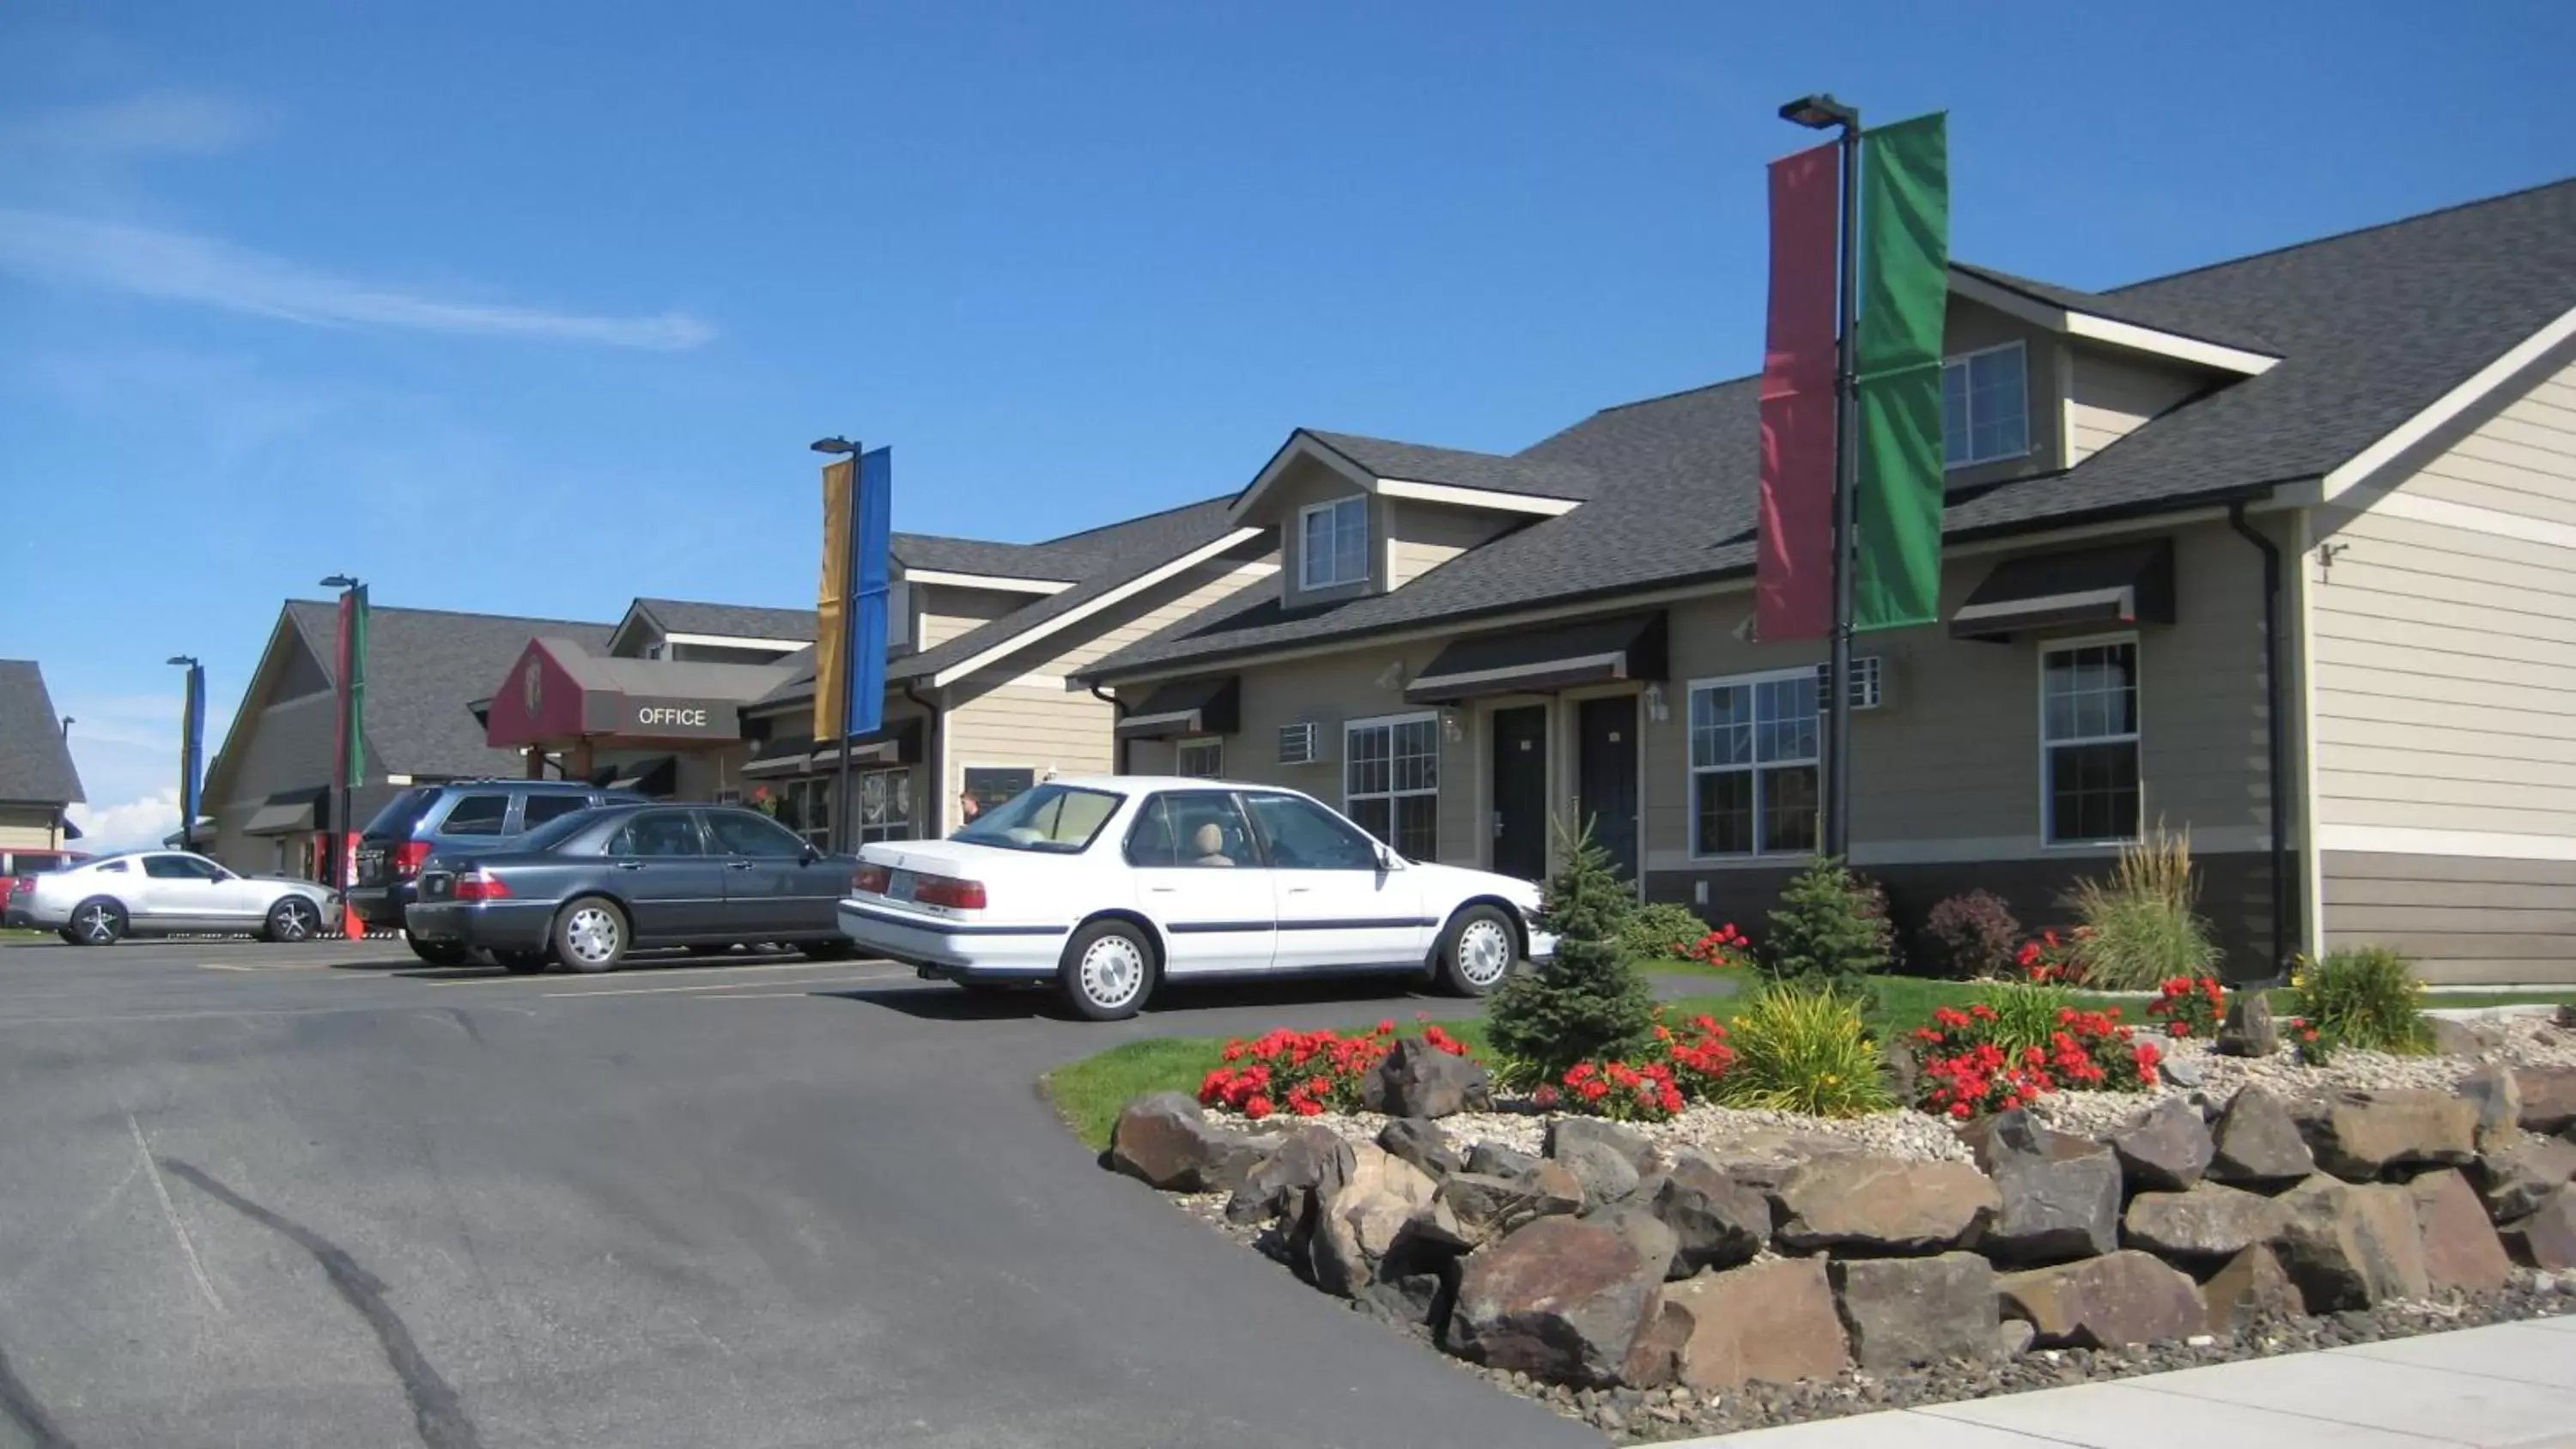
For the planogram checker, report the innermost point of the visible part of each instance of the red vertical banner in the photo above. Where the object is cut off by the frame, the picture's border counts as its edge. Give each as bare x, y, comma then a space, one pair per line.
1793, 572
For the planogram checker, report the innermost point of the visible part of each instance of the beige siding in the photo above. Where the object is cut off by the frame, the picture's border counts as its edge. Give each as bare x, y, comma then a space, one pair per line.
2467, 920
2111, 394
1972, 327
1037, 726
1423, 536
27, 829
946, 611
1148, 613
1309, 482
289, 747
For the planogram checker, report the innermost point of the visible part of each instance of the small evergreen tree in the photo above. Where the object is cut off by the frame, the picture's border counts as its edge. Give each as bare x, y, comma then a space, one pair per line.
1824, 935
1587, 1003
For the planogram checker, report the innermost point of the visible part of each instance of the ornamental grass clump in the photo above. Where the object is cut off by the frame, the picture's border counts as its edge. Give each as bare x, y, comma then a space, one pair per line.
1803, 1049
1587, 1002
2025, 1015
2139, 924
2363, 997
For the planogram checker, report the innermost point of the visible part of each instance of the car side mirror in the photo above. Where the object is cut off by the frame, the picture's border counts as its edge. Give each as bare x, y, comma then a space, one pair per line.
1387, 859
809, 854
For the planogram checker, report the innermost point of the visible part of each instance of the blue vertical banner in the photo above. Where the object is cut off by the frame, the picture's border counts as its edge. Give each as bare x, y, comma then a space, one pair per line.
192, 755
870, 544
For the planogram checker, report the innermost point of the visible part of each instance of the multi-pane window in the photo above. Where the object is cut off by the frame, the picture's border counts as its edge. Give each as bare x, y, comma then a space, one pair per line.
1985, 406
1753, 764
1333, 543
1199, 759
885, 804
1391, 781
2088, 731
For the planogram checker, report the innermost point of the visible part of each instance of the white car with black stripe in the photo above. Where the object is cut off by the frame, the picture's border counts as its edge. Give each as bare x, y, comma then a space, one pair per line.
172, 892
1109, 886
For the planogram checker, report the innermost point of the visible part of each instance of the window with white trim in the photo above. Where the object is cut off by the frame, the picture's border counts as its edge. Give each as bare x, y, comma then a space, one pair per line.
1391, 781
1985, 406
1753, 751
2088, 742
1332, 543
1200, 759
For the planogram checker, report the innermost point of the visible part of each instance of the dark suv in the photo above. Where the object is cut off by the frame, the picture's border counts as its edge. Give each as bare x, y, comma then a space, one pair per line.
457, 816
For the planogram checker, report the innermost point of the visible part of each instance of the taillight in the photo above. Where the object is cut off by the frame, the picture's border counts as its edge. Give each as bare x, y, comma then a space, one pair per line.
956, 895
407, 859
871, 879
481, 885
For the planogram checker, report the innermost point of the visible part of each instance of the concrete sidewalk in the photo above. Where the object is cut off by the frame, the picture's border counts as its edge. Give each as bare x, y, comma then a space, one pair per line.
2507, 1384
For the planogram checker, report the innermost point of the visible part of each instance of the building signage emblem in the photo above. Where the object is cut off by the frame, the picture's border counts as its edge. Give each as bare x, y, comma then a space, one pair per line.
665, 714
532, 686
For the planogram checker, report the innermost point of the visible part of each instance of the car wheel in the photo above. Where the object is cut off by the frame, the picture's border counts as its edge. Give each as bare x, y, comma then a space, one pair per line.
522, 963
439, 953
1107, 971
70, 936
1477, 951
590, 935
828, 950
293, 921
99, 922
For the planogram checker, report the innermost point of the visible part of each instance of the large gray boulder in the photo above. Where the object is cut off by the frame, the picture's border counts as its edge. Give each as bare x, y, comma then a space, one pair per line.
1560, 1299
1902, 1312
1280, 1185
2548, 1097
1762, 1158
1356, 1225
2250, 1286
2166, 1149
2492, 1089
2519, 1172
2210, 1222
1493, 1159
1866, 1206
2547, 1238
1654, 1241
1420, 1141
1485, 1207
1419, 1080
2121, 1298
1771, 1322
2351, 1246
2360, 1135
2257, 1144
1166, 1140
2455, 1037
2059, 1194
1717, 1222
1607, 1176
2461, 1249
2249, 1030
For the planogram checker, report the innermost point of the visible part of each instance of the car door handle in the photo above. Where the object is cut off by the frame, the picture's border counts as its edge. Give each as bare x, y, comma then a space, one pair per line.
1163, 890
737, 865
1300, 890
630, 865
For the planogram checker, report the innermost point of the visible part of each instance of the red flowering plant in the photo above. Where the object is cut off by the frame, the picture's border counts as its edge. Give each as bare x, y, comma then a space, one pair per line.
2050, 961
1967, 1072
1723, 947
2314, 1046
2190, 1007
1683, 1066
1308, 1073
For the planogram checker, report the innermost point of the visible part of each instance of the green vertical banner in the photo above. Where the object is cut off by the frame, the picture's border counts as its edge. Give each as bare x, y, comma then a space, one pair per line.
1905, 288
356, 666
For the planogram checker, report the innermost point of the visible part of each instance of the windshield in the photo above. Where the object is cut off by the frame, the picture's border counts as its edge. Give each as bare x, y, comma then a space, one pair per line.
402, 812
1059, 819
556, 831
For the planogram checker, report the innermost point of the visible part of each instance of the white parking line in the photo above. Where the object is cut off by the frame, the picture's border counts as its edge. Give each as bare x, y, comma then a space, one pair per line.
657, 972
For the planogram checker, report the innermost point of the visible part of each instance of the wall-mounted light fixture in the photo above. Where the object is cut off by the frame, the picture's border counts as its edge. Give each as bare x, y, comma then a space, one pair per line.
1655, 709
1450, 729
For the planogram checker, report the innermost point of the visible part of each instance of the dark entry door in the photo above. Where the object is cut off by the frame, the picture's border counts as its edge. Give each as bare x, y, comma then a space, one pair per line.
1605, 777
1520, 791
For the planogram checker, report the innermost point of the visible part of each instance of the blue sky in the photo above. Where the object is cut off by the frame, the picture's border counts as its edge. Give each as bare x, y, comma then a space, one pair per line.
532, 308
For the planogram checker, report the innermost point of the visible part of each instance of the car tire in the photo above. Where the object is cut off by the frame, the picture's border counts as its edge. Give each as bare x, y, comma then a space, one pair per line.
293, 921
1107, 971
70, 936
591, 935
439, 953
827, 950
1477, 951
522, 963
98, 921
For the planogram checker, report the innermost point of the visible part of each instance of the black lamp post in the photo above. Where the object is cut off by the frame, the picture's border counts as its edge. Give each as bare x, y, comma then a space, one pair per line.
341, 802
843, 447
188, 751
1823, 112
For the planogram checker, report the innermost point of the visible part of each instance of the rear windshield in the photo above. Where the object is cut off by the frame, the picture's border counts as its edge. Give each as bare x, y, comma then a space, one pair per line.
1060, 819
403, 811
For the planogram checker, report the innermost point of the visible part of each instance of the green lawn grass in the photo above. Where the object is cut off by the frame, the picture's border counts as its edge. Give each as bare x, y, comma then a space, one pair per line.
21, 933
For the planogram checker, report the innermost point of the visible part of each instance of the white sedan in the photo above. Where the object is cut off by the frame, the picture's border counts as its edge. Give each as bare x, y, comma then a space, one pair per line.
164, 892
1108, 886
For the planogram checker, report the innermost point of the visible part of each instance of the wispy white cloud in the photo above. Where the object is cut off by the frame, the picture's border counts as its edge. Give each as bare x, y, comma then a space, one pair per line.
185, 267
127, 825
153, 123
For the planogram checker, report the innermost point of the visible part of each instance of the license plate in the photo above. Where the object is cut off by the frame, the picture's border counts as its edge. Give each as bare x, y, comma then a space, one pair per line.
899, 886
434, 887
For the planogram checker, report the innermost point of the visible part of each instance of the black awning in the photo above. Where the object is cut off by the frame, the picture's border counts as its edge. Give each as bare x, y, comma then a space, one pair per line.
654, 775
291, 812
1550, 657
774, 758
2130, 583
898, 743
1211, 706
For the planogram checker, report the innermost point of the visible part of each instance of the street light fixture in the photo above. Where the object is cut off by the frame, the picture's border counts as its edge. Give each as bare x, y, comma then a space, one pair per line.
832, 445
1817, 113
68, 722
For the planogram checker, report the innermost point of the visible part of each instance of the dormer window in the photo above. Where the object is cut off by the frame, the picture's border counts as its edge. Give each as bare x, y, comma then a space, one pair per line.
1333, 543
1985, 406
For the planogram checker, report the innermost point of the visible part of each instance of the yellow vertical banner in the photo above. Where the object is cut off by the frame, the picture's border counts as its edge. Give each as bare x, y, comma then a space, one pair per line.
840, 487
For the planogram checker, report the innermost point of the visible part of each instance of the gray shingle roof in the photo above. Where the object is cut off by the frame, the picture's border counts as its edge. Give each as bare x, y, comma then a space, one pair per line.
2142, 311
35, 765
982, 556
736, 621
1495, 472
2373, 326
424, 666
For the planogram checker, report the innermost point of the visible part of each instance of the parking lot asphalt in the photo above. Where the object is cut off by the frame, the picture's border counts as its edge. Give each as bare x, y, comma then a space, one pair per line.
326, 1195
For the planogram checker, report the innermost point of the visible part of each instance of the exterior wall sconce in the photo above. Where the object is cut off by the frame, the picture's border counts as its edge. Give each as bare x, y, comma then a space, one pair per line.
1450, 729
1655, 708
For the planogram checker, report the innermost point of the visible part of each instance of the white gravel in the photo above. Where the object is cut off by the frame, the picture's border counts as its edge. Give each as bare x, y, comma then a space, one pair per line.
1723, 1130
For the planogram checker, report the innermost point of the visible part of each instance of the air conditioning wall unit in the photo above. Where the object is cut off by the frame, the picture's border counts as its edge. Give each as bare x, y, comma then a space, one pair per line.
1301, 743
1869, 682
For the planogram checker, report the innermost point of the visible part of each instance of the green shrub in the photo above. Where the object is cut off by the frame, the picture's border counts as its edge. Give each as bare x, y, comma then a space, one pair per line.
1662, 931
1803, 1049
2363, 997
1970, 937
2025, 1016
2139, 929
1587, 1002
1825, 934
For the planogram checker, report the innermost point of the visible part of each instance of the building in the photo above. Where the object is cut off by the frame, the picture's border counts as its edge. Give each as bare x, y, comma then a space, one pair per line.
2369, 440
38, 782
